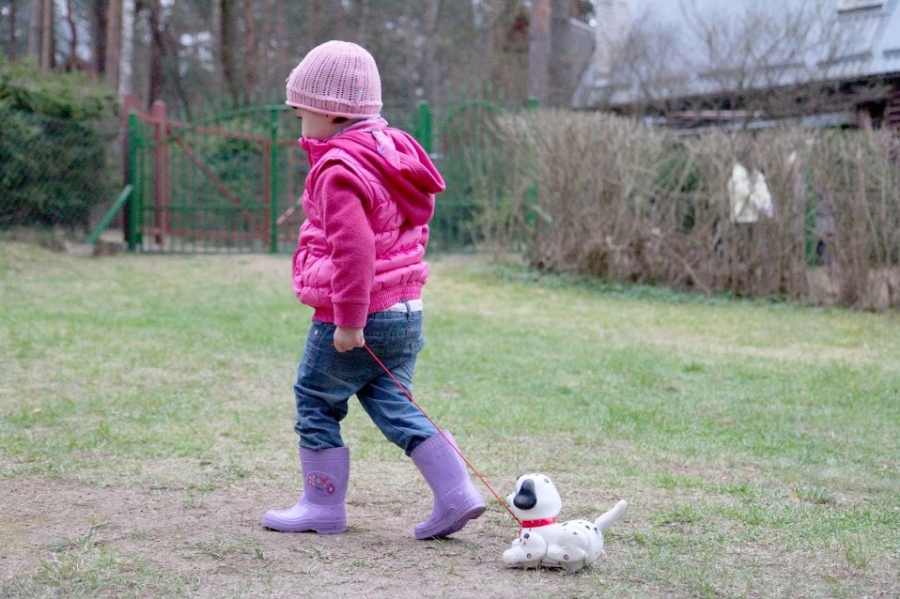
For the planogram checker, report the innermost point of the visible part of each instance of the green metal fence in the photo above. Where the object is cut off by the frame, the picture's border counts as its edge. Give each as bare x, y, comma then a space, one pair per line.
471, 159
232, 182
224, 183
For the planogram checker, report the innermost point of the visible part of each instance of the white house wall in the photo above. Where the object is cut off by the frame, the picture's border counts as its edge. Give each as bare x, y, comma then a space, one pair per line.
869, 42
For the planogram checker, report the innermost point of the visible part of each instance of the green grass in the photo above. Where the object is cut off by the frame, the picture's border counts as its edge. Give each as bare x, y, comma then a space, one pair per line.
757, 444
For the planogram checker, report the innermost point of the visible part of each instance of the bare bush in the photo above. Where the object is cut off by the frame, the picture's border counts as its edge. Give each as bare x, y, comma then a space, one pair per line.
856, 177
605, 196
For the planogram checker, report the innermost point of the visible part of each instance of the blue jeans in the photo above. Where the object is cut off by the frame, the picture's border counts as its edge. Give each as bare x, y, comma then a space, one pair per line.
327, 379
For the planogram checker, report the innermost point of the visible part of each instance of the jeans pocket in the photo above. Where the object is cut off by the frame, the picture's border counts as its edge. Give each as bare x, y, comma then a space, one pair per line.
319, 349
352, 366
397, 339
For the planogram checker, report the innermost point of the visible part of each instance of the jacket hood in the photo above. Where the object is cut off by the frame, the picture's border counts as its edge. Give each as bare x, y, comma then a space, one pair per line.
407, 171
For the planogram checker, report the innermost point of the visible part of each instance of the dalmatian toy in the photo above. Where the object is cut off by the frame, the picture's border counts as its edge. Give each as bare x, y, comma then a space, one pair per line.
542, 541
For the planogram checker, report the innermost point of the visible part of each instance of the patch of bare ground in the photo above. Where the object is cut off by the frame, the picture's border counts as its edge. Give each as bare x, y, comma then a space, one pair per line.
165, 541
173, 544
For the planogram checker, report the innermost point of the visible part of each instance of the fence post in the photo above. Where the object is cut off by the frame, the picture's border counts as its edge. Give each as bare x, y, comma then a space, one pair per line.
129, 103
135, 179
273, 180
161, 171
424, 128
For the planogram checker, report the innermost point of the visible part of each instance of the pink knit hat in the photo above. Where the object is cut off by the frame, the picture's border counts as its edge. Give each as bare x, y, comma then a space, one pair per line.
337, 79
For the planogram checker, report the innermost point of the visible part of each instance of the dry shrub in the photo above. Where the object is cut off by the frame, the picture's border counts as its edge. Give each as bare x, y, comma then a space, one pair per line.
605, 196
579, 202
855, 179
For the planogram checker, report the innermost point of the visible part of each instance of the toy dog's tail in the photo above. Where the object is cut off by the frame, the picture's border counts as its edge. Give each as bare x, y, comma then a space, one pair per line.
607, 519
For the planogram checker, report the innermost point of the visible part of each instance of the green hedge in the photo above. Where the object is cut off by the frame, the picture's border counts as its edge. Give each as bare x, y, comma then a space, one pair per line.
55, 151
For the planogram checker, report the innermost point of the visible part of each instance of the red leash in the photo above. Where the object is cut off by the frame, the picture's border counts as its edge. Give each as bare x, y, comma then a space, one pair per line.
455, 448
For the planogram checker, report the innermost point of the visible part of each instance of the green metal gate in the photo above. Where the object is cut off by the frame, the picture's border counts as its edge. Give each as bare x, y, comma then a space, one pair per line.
232, 182
228, 183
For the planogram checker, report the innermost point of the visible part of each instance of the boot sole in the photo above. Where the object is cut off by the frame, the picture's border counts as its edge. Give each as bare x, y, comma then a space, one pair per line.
323, 528
455, 526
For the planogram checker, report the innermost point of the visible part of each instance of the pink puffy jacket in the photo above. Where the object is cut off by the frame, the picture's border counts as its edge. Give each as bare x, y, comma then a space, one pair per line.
369, 197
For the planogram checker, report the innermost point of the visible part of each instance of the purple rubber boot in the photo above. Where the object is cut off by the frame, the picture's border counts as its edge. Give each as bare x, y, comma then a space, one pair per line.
456, 501
321, 507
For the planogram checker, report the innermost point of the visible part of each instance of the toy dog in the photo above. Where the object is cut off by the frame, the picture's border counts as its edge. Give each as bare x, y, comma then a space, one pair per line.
542, 541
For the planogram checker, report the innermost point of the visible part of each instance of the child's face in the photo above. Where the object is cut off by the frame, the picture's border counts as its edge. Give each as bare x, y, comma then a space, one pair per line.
317, 126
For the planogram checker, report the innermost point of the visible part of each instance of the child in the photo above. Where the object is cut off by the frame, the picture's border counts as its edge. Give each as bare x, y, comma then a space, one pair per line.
369, 197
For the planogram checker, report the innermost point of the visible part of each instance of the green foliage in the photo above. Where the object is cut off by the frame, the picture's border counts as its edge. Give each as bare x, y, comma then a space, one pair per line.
54, 149
58, 94
237, 161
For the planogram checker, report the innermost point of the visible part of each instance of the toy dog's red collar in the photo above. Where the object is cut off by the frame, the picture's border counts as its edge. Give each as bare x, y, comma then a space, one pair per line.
537, 523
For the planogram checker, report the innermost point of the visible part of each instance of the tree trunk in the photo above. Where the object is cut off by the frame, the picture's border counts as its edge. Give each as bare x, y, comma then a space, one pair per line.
126, 61
315, 22
99, 27
35, 22
363, 21
157, 49
228, 56
217, 40
47, 37
539, 48
251, 49
11, 52
72, 62
430, 67
282, 63
113, 57
559, 93
341, 21
412, 63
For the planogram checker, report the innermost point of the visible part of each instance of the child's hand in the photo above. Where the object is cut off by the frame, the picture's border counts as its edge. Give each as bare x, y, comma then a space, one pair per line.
348, 338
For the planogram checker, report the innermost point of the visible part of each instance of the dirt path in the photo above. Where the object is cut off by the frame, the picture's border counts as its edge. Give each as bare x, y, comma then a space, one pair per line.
172, 543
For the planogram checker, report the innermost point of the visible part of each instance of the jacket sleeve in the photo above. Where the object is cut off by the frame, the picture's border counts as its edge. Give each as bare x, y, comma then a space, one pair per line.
345, 200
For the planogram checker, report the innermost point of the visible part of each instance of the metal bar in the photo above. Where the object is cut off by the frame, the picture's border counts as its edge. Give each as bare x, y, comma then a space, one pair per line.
160, 171
110, 214
136, 180
223, 189
273, 181
425, 128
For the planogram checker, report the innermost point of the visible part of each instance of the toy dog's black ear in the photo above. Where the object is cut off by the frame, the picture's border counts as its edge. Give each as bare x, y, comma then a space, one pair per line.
525, 498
